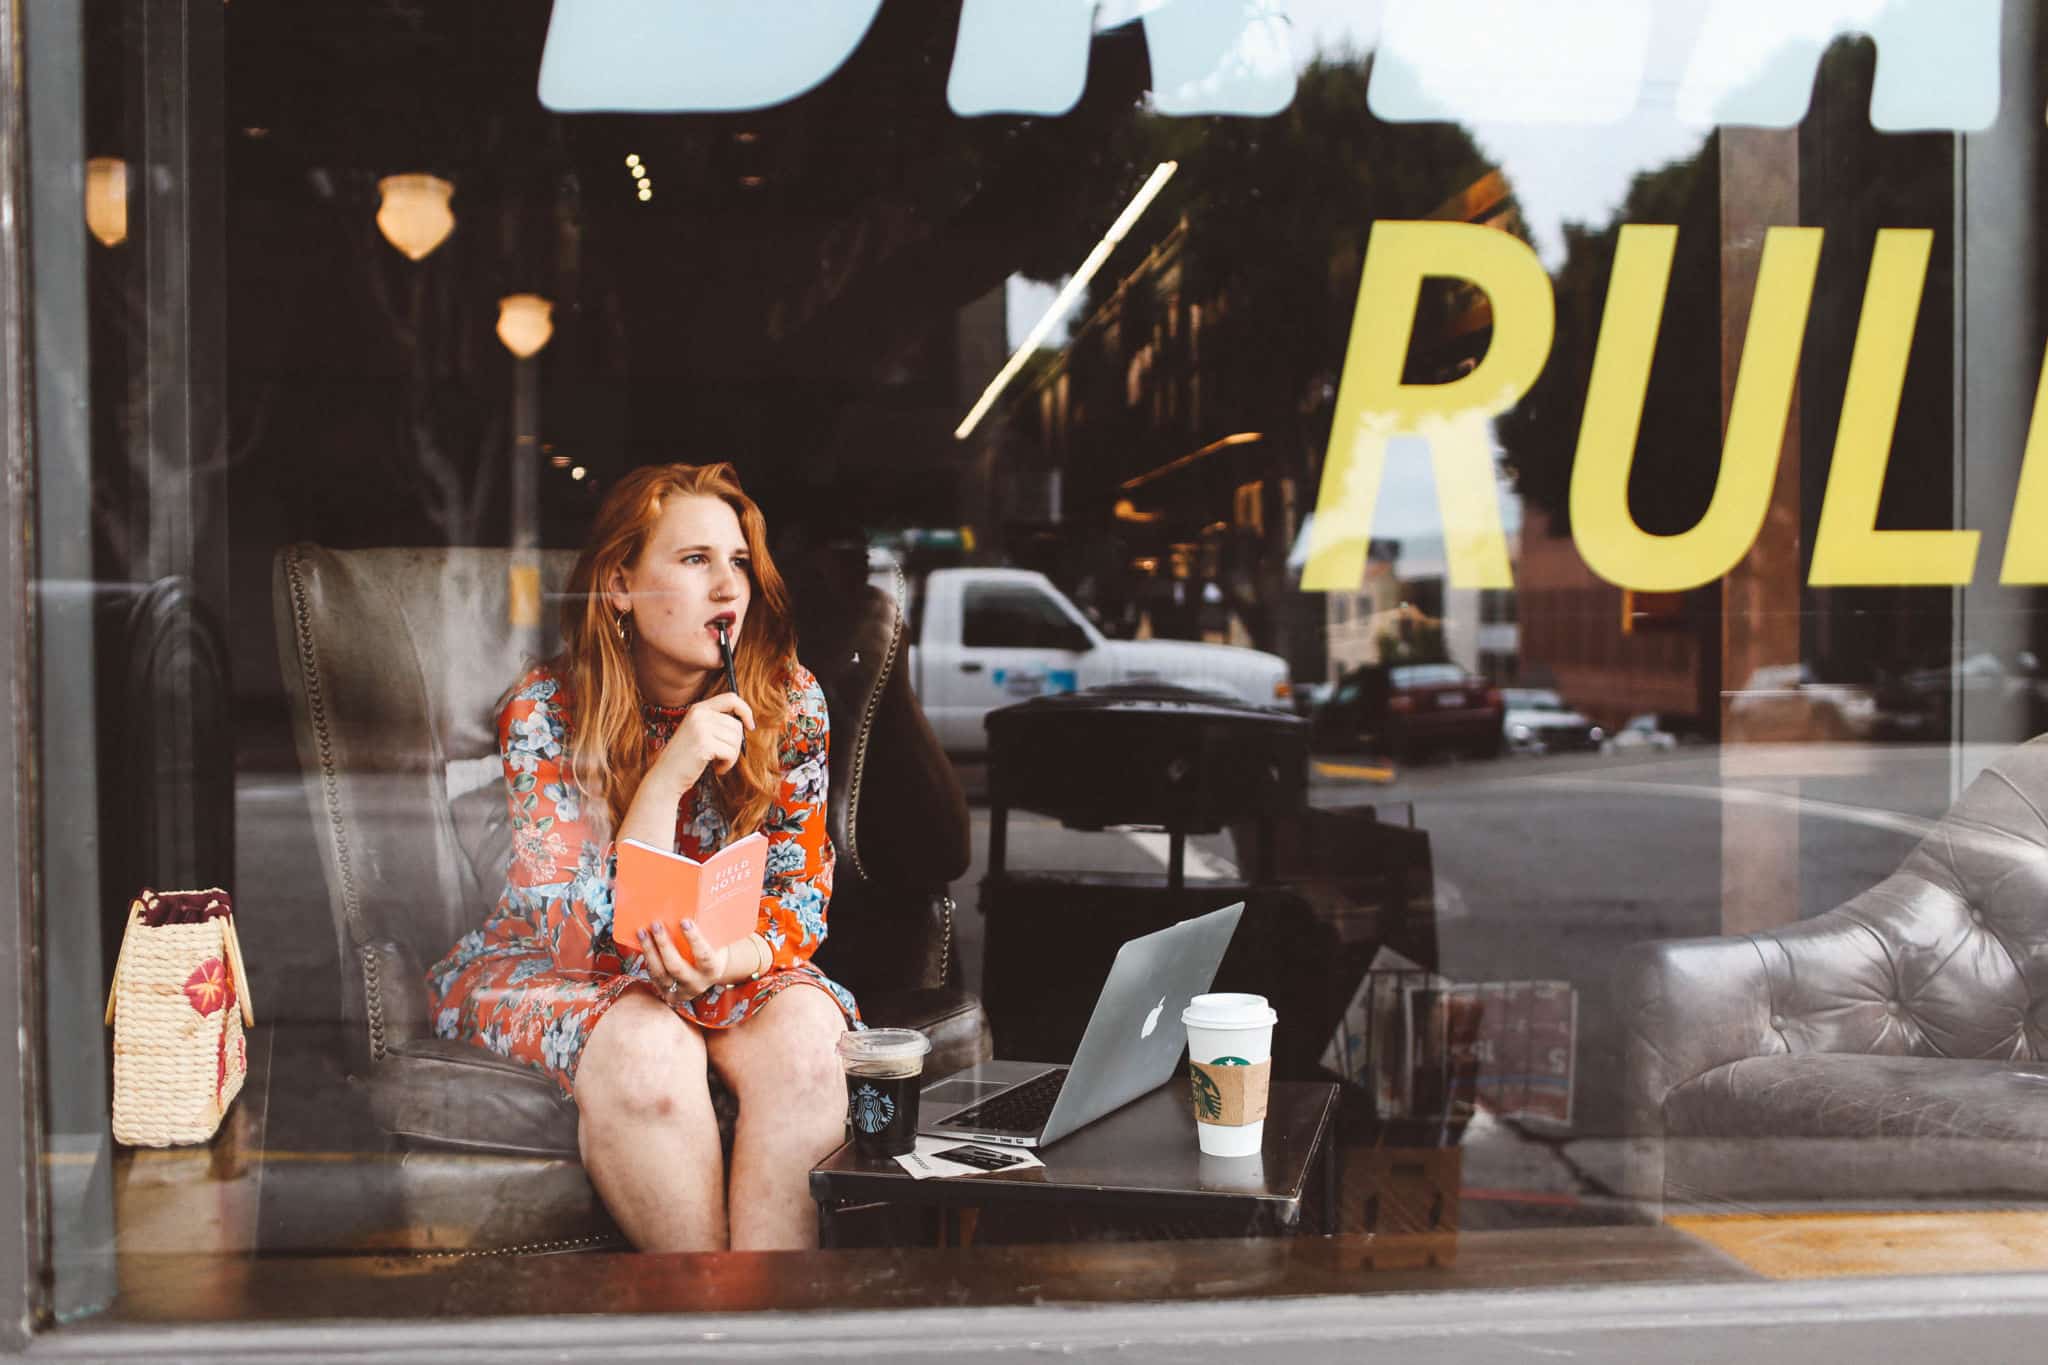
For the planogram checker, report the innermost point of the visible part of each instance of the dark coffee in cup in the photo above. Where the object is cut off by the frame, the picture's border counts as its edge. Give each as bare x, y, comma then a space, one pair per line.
882, 1111
884, 1071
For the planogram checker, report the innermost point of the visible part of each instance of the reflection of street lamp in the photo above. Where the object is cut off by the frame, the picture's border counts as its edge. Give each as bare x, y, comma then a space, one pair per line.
414, 215
525, 325
106, 199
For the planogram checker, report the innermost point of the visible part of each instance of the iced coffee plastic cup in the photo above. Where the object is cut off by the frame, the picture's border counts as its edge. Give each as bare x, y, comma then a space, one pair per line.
884, 1070
1230, 1066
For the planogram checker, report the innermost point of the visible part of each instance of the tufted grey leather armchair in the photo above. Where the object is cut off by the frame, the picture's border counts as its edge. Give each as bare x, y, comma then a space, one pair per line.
1889, 1050
395, 661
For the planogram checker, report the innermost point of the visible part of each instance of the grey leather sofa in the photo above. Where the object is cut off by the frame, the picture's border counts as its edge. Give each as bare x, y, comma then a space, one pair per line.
394, 661
1888, 1051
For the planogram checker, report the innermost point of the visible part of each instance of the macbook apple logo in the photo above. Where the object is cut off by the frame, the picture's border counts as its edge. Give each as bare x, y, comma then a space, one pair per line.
1152, 1019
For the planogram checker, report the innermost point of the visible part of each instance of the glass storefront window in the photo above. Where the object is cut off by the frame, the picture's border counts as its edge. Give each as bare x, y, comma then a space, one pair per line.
1530, 509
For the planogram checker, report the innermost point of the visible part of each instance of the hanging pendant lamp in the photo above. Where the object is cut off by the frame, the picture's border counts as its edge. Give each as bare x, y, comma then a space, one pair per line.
414, 215
525, 322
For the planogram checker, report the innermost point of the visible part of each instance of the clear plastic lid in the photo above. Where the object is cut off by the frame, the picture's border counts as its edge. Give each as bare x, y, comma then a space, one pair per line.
890, 1050
1227, 1010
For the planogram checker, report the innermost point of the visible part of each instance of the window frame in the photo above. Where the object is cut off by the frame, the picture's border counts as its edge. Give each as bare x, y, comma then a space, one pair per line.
20, 1136
1883, 1320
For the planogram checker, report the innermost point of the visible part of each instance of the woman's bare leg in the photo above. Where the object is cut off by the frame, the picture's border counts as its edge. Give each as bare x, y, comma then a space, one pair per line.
782, 1065
647, 1131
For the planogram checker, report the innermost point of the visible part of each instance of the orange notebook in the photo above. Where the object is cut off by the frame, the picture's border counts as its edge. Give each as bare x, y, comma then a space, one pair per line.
722, 893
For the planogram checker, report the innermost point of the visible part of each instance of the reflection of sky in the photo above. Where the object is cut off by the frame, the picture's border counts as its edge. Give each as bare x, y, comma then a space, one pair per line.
1580, 134
1572, 98
1407, 506
1560, 173
1025, 302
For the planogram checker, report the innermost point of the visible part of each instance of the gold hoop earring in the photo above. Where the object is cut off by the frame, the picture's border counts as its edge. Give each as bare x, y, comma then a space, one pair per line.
623, 623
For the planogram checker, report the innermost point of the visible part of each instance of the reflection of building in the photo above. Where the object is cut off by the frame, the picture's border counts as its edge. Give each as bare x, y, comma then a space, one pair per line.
1158, 449
1191, 427
1479, 628
1573, 636
1408, 582
1355, 620
1497, 651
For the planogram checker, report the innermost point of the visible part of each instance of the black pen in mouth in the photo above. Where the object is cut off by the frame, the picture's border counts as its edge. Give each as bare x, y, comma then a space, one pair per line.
723, 625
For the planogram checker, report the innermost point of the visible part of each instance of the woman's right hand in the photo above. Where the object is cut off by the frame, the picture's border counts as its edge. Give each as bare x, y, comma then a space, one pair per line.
711, 735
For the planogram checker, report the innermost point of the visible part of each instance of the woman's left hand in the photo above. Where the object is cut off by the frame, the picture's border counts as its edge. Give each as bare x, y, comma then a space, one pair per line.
676, 976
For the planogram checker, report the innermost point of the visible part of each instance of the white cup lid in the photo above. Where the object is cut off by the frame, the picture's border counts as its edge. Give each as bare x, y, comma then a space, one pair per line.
1225, 1010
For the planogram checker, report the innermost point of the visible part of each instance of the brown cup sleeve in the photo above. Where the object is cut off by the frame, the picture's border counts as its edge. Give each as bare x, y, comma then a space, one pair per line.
1230, 1095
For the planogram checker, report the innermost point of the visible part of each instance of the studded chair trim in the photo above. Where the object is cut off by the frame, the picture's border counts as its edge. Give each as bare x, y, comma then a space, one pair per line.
867, 727
308, 655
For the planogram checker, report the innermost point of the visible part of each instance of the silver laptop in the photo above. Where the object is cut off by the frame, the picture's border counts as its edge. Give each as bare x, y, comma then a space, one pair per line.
1132, 1046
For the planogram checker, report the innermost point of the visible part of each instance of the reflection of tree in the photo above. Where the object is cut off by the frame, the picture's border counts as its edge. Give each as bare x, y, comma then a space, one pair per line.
1853, 181
1678, 448
1279, 211
1275, 214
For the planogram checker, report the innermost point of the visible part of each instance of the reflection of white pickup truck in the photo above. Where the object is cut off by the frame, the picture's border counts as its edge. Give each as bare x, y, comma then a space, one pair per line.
984, 638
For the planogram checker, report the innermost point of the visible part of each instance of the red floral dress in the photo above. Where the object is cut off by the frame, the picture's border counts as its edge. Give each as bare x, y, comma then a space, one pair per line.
535, 978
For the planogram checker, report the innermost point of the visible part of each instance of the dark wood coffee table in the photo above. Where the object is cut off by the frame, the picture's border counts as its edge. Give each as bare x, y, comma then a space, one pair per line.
1139, 1165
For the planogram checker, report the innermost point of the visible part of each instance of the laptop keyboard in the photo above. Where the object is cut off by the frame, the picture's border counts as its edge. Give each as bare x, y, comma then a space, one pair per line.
1024, 1108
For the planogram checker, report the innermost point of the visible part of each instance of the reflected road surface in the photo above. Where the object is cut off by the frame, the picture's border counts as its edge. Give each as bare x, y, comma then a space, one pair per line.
1548, 867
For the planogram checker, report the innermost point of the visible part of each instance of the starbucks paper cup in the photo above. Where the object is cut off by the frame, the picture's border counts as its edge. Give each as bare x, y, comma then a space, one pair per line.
1230, 1067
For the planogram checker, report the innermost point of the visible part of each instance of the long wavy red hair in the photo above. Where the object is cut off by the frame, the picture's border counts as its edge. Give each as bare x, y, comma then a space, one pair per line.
608, 750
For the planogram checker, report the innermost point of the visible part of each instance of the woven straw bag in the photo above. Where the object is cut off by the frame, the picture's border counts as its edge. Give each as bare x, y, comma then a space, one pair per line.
178, 1009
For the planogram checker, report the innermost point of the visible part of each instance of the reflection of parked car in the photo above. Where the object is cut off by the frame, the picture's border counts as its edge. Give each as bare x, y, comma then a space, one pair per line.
1653, 731
1312, 697
1787, 702
1538, 722
1407, 708
2001, 699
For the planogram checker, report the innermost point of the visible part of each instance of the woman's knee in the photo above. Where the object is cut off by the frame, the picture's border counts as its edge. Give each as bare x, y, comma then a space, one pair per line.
642, 1062
794, 1056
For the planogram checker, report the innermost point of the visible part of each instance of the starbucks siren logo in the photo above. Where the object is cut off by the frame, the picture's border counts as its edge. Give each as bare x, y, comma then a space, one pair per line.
870, 1110
1208, 1099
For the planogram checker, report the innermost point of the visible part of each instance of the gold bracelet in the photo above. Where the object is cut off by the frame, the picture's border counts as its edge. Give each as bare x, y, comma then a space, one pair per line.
767, 956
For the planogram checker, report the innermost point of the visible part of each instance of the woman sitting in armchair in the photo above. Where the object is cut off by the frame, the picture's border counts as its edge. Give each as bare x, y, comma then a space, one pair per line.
630, 733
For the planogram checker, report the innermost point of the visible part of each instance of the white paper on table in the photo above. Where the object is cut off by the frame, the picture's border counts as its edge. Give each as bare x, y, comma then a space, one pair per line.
924, 1162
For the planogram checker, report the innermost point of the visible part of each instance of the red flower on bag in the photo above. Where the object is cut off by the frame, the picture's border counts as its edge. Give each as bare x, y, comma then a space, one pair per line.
209, 987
